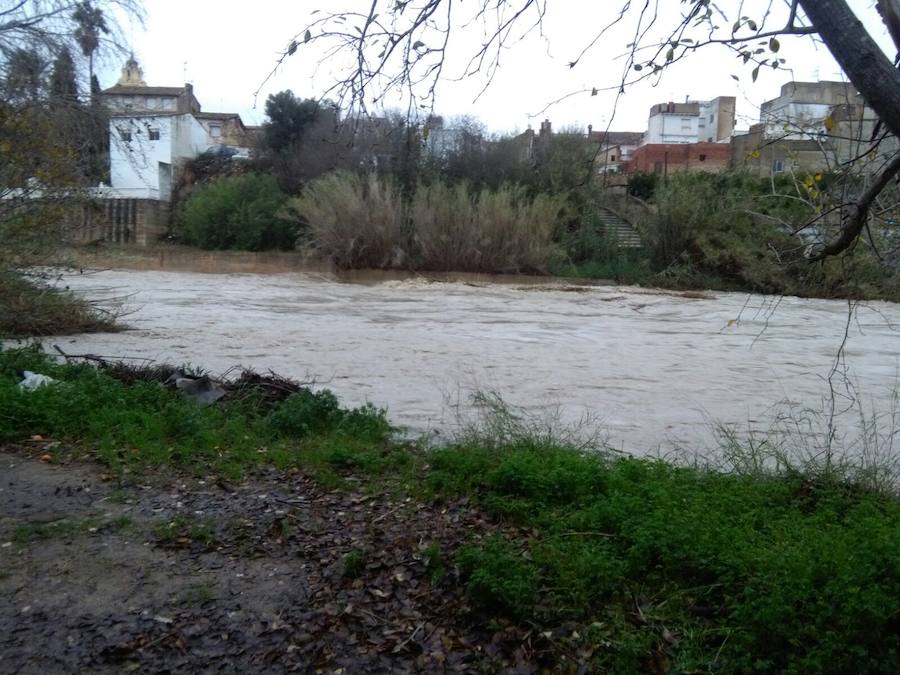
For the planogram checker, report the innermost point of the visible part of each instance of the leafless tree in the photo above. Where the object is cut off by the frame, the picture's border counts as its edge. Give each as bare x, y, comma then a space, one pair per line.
404, 45
48, 144
45, 27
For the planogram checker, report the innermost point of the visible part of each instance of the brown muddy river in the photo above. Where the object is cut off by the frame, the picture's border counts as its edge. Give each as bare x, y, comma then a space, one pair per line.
653, 369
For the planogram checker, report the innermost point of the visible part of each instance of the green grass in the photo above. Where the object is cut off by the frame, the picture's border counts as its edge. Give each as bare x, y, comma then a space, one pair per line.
751, 574
184, 530
354, 564
435, 562
199, 593
705, 571
28, 533
143, 424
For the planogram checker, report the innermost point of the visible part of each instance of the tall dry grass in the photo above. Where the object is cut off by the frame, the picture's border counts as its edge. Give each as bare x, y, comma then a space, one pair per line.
356, 221
491, 231
363, 221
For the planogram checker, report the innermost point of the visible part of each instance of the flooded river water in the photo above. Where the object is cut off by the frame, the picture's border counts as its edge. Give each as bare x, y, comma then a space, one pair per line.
653, 368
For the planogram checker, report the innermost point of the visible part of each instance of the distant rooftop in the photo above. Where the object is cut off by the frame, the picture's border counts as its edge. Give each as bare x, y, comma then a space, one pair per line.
144, 90
618, 137
216, 116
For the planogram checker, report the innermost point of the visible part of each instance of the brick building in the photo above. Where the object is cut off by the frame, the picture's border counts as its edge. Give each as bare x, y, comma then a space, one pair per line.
666, 158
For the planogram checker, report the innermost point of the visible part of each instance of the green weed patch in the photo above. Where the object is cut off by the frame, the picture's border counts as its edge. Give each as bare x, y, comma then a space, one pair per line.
697, 570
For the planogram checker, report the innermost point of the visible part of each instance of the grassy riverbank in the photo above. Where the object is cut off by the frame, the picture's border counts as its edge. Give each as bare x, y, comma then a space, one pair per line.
617, 563
31, 306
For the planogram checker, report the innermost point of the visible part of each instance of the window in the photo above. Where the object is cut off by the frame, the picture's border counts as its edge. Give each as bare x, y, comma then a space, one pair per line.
125, 135
778, 166
702, 158
154, 134
711, 118
612, 158
215, 130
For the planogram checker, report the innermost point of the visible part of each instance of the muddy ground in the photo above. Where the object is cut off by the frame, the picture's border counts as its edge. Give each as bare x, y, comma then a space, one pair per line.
272, 574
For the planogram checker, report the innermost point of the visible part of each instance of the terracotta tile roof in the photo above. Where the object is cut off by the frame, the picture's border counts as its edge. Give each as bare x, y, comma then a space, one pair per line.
618, 137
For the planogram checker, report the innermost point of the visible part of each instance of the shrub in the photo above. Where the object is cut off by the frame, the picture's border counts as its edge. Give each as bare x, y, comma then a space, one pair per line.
238, 212
593, 253
643, 185
362, 221
356, 221
306, 413
490, 231
724, 228
733, 230
309, 413
31, 307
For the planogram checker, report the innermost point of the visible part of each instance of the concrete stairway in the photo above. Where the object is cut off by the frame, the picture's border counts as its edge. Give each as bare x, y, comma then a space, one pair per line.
618, 229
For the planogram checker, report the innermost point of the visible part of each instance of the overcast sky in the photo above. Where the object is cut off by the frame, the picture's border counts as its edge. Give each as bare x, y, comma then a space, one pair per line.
225, 48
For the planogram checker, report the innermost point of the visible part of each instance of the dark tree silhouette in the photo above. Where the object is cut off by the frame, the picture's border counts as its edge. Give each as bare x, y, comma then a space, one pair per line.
91, 25
63, 84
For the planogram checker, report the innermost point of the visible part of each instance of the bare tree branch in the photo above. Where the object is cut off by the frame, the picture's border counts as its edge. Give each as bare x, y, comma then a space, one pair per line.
857, 217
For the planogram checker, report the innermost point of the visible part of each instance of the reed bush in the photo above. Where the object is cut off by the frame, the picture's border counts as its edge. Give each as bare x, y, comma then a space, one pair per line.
363, 221
356, 221
491, 231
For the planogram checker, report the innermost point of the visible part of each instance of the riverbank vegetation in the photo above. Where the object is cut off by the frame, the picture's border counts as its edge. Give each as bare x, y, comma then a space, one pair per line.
616, 563
735, 231
360, 222
31, 306
238, 212
435, 197
54, 147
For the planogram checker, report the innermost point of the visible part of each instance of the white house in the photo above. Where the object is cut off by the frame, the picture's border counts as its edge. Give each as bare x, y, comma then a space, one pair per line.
801, 109
691, 122
154, 130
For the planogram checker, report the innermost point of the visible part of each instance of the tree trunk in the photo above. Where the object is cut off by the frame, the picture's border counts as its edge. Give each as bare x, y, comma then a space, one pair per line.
870, 71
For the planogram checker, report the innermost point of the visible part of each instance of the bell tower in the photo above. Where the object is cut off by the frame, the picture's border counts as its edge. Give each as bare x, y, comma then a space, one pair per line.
132, 74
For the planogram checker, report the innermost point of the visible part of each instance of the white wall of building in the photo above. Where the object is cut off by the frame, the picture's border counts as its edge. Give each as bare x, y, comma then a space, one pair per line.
134, 162
672, 128
190, 138
789, 119
214, 130
142, 166
708, 123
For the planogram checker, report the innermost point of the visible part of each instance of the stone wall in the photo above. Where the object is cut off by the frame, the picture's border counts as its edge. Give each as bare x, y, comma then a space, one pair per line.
123, 221
764, 157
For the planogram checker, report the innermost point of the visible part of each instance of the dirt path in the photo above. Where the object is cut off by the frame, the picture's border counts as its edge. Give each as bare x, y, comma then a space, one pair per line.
273, 574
